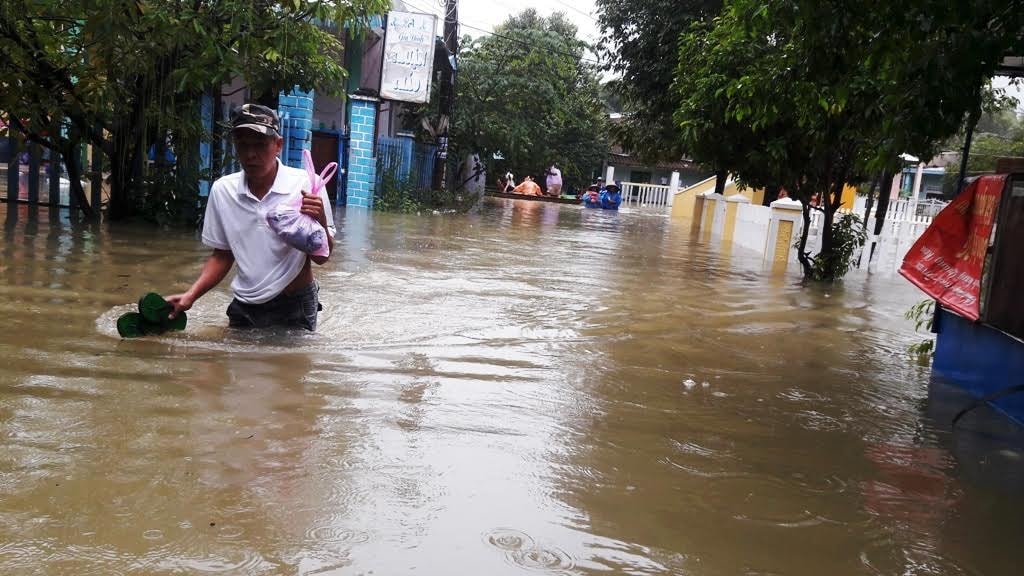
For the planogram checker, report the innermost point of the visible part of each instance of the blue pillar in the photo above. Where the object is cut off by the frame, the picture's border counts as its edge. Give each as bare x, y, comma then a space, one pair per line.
205, 149
297, 107
362, 163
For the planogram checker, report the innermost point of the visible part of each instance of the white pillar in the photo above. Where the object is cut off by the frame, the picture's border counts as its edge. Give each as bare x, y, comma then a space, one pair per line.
714, 214
673, 188
609, 176
917, 189
784, 229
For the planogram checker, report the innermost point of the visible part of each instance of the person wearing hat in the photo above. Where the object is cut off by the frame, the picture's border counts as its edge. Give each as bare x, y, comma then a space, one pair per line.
274, 283
611, 197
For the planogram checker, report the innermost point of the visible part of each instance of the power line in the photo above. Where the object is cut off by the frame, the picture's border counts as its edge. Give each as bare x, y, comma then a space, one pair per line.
525, 43
509, 38
575, 9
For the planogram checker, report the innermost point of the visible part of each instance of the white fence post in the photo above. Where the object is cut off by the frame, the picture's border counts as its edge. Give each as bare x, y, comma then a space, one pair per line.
917, 189
673, 187
714, 214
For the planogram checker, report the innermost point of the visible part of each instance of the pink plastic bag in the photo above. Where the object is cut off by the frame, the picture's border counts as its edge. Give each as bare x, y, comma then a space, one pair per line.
298, 230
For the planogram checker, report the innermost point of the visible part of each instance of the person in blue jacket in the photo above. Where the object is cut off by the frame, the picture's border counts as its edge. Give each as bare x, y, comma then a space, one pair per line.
592, 196
610, 197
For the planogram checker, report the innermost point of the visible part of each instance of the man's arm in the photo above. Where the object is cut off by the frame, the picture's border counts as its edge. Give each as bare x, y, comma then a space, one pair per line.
216, 268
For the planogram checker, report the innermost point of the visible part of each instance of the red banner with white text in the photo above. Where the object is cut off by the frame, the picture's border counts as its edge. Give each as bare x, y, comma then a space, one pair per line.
947, 260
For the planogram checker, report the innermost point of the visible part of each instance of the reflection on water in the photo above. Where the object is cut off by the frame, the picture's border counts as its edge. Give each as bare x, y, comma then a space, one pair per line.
531, 388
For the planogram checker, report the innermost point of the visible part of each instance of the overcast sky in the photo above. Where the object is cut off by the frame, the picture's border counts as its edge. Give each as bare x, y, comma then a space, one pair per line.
486, 14
477, 15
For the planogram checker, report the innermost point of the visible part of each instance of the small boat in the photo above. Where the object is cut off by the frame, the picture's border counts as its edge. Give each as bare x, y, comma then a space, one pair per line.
554, 199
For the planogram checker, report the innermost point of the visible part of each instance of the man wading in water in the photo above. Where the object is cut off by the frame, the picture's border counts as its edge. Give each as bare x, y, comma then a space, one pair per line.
274, 285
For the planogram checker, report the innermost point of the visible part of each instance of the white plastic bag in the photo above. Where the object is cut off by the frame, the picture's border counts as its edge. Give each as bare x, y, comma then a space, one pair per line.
298, 230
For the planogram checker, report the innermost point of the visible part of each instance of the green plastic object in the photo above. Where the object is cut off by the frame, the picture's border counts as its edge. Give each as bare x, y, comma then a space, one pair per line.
179, 322
154, 308
150, 319
130, 325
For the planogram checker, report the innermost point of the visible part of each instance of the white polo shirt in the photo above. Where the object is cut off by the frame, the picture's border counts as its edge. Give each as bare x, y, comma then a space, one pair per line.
236, 221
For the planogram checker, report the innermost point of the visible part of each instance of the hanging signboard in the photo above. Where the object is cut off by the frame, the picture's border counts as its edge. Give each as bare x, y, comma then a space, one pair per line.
947, 260
408, 57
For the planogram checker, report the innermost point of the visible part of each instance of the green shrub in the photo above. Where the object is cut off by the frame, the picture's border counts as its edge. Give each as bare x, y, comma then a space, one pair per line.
848, 235
402, 194
923, 315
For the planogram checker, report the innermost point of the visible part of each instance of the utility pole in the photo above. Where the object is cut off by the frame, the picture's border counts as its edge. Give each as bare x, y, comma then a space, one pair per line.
447, 102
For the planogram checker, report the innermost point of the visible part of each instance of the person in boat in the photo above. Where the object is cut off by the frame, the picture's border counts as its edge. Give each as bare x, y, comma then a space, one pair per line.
506, 183
274, 284
554, 181
610, 197
528, 188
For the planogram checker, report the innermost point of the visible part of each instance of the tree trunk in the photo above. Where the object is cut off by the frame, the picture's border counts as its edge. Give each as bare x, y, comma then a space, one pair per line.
126, 163
72, 158
827, 255
883, 201
871, 200
876, 183
720, 178
801, 251
120, 175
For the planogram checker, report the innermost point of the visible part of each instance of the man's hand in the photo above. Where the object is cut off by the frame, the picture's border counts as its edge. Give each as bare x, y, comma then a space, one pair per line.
179, 303
313, 206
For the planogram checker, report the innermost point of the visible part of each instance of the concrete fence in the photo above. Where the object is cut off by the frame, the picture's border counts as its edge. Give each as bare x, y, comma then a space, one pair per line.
772, 231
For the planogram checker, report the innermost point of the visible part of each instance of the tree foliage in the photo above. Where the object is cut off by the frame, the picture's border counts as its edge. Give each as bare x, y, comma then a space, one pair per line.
998, 134
528, 95
640, 46
122, 75
812, 94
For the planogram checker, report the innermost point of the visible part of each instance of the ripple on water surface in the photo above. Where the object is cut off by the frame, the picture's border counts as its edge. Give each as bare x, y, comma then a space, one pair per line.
522, 551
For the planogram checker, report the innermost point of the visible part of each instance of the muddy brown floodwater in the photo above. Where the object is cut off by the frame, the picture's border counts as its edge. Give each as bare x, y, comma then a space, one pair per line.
531, 388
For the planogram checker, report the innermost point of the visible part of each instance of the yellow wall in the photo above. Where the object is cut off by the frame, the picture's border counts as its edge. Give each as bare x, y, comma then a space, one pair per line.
682, 205
709, 219
699, 205
683, 202
849, 195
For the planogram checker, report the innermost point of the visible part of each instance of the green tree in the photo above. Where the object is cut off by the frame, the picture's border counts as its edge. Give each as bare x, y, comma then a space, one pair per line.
528, 95
812, 94
121, 75
999, 134
640, 45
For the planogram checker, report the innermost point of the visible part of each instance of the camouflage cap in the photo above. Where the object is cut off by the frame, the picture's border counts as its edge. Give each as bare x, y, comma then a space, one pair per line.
256, 117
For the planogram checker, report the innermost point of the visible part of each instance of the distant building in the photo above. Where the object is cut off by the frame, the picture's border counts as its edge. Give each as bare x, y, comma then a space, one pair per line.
629, 168
932, 178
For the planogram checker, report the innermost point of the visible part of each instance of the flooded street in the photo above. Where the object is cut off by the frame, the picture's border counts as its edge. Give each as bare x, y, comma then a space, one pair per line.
534, 388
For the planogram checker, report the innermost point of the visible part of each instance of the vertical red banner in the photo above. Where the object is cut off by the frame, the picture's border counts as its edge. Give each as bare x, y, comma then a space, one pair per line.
947, 261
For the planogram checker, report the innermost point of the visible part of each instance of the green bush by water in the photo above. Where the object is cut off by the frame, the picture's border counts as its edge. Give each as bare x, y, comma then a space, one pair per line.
848, 234
923, 316
402, 194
